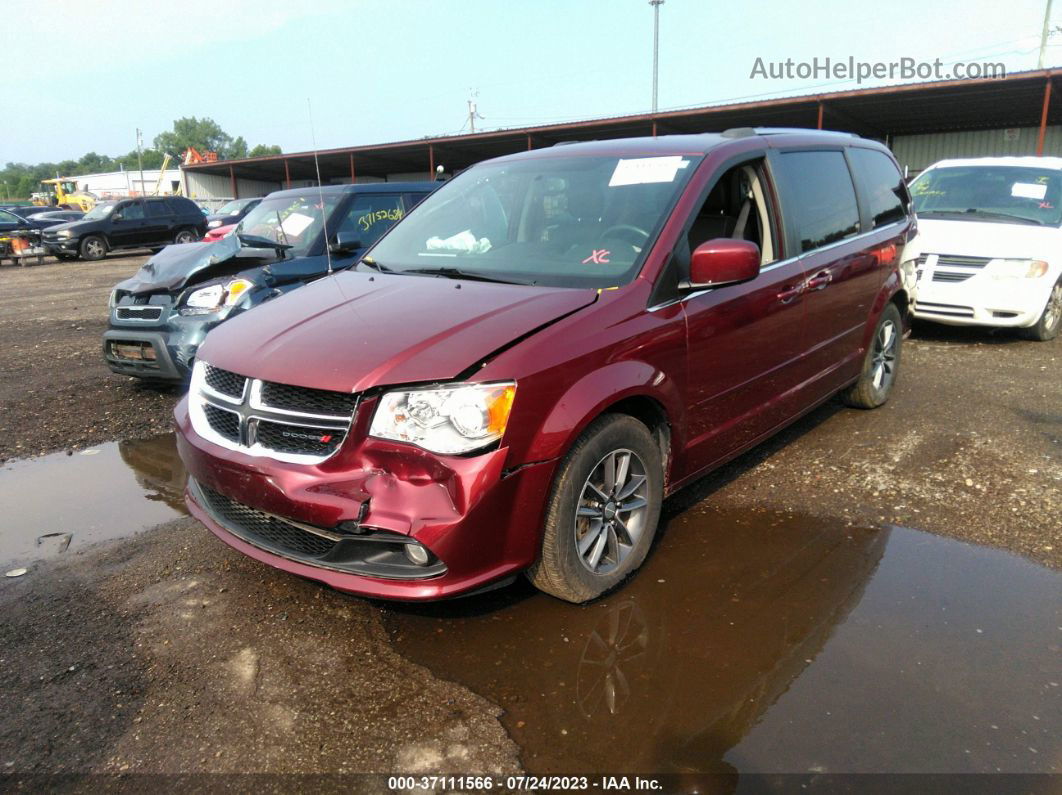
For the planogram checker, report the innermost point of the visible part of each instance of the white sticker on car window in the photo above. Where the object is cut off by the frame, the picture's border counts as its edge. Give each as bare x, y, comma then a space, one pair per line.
645, 170
295, 223
1028, 190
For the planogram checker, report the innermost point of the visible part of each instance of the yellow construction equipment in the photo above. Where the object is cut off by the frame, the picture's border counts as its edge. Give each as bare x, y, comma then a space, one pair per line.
65, 194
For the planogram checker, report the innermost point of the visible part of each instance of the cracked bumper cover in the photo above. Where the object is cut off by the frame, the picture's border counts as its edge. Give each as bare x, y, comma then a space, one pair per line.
481, 521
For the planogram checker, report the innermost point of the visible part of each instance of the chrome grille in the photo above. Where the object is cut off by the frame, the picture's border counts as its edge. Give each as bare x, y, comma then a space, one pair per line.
225, 382
950, 276
297, 424
955, 261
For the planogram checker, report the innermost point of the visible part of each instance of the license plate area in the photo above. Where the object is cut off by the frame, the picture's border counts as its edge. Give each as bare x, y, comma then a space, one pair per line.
133, 351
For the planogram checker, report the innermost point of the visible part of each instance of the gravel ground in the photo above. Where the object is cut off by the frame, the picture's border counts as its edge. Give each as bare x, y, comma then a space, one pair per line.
56, 392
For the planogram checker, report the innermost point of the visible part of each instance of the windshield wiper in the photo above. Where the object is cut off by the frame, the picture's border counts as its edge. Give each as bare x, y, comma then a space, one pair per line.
255, 241
457, 273
376, 266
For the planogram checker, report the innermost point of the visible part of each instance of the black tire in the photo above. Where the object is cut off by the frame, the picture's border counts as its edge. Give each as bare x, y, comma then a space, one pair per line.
1047, 327
880, 365
185, 235
562, 569
93, 247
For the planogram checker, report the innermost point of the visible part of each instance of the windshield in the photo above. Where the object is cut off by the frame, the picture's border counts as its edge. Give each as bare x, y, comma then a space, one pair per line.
565, 221
233, 207
101, 210
1017, 194
296, 222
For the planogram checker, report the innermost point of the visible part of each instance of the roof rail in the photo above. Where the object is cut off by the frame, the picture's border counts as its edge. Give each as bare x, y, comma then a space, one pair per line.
746, 132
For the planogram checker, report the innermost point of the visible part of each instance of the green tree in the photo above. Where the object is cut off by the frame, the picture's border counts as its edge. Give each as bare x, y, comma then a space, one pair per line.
204, 134
261, 150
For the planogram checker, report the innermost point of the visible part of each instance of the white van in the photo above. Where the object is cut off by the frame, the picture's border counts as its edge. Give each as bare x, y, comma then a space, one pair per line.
989, 244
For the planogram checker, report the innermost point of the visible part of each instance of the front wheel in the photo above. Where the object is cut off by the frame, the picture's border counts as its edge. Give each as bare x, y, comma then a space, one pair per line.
880, 365
185, 236
93, 247
1050, 321
602, 511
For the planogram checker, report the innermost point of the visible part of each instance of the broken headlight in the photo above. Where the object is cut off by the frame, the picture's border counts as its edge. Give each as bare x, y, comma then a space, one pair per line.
212, 298
453, 419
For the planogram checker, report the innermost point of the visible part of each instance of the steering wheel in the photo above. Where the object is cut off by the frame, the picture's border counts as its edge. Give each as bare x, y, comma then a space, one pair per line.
622, 231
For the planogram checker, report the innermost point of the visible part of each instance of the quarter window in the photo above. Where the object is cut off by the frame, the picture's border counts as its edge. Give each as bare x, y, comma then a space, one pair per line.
885, 191
820, 199
157, 209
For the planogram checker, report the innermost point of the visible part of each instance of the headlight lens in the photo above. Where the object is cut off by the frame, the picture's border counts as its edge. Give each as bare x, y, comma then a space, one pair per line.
209, 299
1017, 268
64, 233
453, 419
112, 302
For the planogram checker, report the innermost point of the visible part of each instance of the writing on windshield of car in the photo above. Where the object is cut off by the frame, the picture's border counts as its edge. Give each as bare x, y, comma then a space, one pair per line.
1009, 194
559, 221
295, 222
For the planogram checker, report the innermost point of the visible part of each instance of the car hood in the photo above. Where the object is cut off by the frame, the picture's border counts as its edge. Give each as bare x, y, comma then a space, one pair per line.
177, 266
984, 239
353, 331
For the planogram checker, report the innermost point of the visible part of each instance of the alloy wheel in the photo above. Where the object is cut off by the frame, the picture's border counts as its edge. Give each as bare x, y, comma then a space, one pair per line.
1054, 307
612, 511
883, 362
94, 249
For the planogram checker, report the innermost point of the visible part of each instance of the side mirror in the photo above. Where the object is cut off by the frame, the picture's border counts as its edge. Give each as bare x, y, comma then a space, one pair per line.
344, 244
723, 261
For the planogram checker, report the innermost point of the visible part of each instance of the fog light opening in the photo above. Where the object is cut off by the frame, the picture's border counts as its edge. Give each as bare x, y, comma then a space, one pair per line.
417, 554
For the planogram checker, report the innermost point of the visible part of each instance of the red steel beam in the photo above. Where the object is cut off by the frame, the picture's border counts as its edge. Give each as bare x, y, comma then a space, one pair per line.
233, 184
1043, 118
431, 162
820, 116
351, 168
287, 174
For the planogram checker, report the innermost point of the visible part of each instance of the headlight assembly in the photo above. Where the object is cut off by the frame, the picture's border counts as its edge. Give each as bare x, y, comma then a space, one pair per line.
1017, 268
64, 233
212, 298
452, 419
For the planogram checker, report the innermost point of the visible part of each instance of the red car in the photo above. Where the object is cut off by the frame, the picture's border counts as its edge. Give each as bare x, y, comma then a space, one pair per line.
217, 233
521, 370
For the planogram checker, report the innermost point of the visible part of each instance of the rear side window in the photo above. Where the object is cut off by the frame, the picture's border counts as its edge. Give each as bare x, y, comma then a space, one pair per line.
134, 211
182, 206
370, 215
883, 185
158, 209
819, 198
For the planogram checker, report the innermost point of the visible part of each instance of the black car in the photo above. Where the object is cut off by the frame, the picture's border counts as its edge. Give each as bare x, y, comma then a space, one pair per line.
50, 217
151, 222
9, 222
161, 315
232, 213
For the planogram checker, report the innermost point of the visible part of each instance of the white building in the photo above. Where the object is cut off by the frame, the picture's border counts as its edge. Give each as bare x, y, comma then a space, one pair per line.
116, 184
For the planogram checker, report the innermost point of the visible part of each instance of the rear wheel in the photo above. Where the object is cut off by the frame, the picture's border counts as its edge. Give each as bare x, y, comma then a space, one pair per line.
93, 247
1050, 321
602, 512
880, 364
185, 236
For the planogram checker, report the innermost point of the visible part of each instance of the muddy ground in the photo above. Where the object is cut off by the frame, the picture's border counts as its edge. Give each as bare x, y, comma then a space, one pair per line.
969, 446
173, 653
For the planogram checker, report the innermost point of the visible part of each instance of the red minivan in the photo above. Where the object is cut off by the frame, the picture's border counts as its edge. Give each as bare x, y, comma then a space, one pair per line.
520, 371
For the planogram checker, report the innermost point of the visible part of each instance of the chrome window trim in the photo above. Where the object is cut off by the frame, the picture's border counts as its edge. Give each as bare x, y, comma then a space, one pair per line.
780, 263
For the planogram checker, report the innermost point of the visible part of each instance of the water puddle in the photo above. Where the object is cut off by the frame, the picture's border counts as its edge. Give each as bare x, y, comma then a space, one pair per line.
59, 504
771, 644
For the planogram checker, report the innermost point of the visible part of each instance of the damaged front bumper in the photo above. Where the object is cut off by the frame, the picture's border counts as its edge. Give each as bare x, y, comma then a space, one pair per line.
154, 341
349, 521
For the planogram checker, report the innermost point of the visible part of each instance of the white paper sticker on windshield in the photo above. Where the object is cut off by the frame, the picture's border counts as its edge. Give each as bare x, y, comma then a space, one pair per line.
644, 170
295, 223
1028, 190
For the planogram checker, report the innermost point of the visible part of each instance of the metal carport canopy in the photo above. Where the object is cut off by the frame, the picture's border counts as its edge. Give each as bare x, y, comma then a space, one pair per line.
1022, 99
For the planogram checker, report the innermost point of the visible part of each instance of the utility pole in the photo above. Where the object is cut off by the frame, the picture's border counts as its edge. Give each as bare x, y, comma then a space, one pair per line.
656, 44
473, 112
1045, 34
140, 157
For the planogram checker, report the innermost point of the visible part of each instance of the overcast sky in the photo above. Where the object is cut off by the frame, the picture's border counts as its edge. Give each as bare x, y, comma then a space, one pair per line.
83, 75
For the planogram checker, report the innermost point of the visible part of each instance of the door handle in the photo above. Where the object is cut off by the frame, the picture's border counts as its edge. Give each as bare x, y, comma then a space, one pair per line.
819, 281
790, 294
